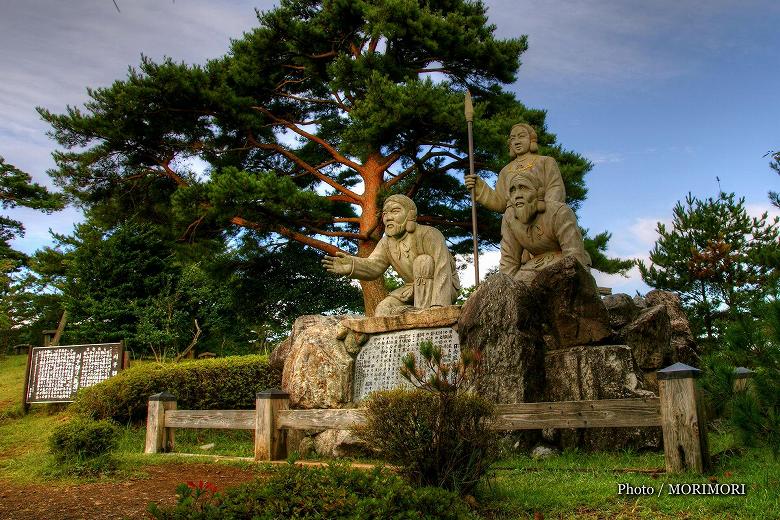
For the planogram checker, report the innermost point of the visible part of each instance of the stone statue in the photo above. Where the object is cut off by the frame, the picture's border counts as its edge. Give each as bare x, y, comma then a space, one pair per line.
418, 254
522, 151
536, 232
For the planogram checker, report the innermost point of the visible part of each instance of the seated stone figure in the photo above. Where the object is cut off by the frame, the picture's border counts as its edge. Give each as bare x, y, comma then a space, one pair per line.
418, 254
536, 232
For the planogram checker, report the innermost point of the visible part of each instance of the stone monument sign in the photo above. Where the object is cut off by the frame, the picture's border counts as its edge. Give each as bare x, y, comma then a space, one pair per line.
377, 365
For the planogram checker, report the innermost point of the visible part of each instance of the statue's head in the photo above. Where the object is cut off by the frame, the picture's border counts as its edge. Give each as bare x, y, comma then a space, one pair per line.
399, 215
522, 140
526, 195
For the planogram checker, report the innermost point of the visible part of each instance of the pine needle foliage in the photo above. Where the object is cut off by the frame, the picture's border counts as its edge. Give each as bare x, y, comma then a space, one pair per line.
438, 433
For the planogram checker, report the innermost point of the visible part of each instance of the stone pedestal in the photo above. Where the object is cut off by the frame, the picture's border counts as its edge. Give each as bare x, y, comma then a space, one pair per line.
334, 361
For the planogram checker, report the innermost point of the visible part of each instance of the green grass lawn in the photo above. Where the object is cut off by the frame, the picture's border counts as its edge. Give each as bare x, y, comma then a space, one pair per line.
571, 485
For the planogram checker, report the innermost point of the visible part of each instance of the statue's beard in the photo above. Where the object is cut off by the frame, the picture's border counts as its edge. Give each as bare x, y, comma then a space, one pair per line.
395, 229
527, 212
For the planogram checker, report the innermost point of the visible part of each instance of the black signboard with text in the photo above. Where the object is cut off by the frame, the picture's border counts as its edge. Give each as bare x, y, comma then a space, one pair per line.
54, 374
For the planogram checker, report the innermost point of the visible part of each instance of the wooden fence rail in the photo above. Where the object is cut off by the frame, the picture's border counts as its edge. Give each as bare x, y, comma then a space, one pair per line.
678, 411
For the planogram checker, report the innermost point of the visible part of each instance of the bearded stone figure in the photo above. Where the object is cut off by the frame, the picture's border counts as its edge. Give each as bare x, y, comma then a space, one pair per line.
418, 254
536, 232
523, 150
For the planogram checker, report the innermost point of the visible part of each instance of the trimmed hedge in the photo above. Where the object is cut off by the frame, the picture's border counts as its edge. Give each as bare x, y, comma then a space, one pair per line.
228, 383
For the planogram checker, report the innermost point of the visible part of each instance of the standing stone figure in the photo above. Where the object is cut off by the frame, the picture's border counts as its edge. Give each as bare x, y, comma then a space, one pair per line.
536, 232
522, 151
418, 254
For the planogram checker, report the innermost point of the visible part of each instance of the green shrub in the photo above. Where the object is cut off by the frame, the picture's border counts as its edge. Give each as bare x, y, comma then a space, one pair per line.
755, 412
82, 438
439, 434
221, 383
303, 492
448, 446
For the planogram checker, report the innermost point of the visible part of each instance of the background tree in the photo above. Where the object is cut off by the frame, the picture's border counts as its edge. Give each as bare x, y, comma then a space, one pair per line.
132, 282
774, 197
720, 260
17, 304
17, 189
308, 123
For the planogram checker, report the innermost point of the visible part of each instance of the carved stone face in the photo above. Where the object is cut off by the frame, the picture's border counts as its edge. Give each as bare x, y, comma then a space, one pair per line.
519, 140
523, 197
394, 217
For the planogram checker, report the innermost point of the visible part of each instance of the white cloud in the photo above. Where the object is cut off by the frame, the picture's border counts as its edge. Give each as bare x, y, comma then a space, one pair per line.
758, 209
604, 157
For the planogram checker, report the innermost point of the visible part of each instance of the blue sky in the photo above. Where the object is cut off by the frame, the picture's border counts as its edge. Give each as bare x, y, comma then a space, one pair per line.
662, 96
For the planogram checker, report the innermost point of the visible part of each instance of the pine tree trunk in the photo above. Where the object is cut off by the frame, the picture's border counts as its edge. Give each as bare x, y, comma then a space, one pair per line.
373, 292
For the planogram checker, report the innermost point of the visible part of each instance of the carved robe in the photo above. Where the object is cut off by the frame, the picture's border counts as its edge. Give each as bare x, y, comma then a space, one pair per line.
544, 167
422, 260
526, 248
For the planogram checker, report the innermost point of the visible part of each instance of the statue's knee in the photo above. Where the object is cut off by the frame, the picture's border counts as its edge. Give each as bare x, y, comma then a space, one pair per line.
423, 266
388, 306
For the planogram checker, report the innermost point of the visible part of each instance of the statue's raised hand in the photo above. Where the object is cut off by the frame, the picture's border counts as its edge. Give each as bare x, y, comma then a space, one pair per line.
339, 264
472, 181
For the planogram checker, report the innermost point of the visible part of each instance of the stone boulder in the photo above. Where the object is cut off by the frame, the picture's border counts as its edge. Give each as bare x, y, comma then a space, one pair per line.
683, 344
501, 320
279, 354
571, 305
593, 373
622, 310
318, 369
339, 443
649, 336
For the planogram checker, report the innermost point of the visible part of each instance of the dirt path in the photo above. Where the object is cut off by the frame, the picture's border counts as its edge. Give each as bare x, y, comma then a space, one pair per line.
103, 501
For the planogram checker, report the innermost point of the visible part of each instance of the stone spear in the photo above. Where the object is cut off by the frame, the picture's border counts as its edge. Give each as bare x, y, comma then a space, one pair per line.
469, 124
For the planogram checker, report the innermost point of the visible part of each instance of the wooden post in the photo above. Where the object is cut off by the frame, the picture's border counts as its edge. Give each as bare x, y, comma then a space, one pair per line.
25, 404
159, 439
270, 441
742, 378
683, 420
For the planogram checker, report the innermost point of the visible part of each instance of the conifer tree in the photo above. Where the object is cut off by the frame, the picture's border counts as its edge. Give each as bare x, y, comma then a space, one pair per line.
307, 124
720, 260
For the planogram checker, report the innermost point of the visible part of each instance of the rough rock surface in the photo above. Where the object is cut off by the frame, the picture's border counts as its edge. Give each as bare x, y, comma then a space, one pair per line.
683, 344
339, 443
501, 320
598, 372
279, 354
318, 370
649, 336
569, 299
593, 372
621, 308
542, 452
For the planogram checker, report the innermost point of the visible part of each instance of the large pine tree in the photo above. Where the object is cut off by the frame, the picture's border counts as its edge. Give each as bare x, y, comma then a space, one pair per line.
307, 124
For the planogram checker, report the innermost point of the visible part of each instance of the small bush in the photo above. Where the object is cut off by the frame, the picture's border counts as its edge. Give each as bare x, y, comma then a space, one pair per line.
330, 492
221, 383
82, 438
439, 434
449, 447
755, 413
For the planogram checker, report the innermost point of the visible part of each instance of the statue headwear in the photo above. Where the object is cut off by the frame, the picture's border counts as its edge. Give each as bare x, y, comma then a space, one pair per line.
410, 206
533, 148
527, 178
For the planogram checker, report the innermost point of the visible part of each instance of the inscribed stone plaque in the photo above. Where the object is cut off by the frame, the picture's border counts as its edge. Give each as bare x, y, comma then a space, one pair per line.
378, 364
56, 373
